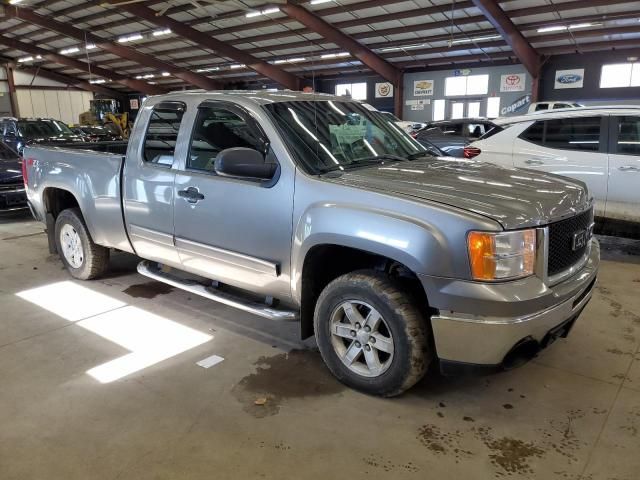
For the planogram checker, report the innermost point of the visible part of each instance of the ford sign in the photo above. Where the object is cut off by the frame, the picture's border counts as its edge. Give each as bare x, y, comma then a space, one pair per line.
569, 78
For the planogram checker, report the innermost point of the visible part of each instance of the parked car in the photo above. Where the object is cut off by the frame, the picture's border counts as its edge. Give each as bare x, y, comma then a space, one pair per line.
405, 125
12, 195
451, 136
393, 258
18, 132
544, 106
597, 145
96, 133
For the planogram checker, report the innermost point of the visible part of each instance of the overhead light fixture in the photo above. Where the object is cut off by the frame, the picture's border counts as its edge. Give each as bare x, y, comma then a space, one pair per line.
289, 60
266, 11
555, 28
14, 2
159, 33
130, 38
90, 46
166, 74
100, 80
475, 39
403, 47
334, 55
208, 69
25, 59
561, 28
66, 51
237, 66
148, 75
318, 2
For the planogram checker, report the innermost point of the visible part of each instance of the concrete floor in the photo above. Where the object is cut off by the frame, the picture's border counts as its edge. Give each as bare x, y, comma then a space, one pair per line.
572, 413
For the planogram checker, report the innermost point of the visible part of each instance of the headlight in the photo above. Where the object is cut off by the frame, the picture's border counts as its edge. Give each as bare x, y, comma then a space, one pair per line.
502, 255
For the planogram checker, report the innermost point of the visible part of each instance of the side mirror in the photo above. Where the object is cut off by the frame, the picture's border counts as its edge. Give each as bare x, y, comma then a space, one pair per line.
243, 162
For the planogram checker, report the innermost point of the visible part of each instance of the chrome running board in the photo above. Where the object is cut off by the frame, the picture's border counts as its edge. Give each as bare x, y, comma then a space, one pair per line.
148, 270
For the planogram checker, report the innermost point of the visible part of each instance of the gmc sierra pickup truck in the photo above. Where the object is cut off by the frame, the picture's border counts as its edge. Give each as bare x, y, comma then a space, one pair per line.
310, 207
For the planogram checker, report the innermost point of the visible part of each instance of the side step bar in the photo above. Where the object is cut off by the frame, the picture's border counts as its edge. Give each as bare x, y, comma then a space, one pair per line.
149, 270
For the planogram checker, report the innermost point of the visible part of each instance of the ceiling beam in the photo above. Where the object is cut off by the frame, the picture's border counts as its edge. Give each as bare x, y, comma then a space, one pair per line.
137, 85
68, 30
376, 63
505, 27
73, 82
284, 78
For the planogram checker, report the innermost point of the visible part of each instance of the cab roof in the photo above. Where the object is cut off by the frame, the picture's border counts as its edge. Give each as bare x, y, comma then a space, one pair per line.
259, 97
571, 113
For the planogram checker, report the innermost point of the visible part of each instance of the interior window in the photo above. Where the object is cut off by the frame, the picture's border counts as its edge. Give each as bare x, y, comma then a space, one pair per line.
573, 134
534, 133
162, 133
217, 129
628, 140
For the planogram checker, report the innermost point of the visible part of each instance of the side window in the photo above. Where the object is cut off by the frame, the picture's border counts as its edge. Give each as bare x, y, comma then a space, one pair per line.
475, 130
542, 106
579, 133
561, 105
534, 134
162, 133
216, 129
453, 129
628, 138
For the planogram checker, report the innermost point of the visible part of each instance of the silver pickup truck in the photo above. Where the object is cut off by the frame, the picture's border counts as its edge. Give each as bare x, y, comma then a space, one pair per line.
319, 209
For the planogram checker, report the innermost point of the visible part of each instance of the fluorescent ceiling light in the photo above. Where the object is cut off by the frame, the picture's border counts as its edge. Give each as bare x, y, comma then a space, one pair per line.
101, 80
65, 51
159, 33
555, 28
90, 46
209, 69
165, 74
237, 66
266, 11
334, 55
290, 60
583, 25
403, 47
475, 39
14, 2
318, 2
560, 28
130, 38
148, 75
25, 59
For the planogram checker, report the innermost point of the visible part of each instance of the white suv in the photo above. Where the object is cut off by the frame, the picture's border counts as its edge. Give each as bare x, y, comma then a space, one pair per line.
598, 145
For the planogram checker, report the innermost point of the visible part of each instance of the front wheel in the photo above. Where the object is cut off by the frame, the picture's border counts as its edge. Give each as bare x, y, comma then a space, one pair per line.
371, 334
83, 258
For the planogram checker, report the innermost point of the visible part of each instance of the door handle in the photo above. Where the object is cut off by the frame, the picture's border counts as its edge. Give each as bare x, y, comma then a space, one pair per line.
629, 168
532, 161
191, 195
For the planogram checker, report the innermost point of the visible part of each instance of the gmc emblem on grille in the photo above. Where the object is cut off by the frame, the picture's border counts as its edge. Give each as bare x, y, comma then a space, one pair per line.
579, 240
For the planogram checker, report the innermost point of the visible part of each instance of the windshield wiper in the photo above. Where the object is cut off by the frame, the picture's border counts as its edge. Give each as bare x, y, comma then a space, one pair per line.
416, 155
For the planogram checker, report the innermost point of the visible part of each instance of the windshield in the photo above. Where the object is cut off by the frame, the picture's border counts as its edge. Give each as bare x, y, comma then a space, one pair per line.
329, 135
43, 128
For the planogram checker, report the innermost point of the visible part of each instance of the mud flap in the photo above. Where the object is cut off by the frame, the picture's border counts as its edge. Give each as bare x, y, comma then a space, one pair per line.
51, 233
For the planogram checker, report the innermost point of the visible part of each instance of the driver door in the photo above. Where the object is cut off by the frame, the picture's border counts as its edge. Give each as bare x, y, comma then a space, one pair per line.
234, 230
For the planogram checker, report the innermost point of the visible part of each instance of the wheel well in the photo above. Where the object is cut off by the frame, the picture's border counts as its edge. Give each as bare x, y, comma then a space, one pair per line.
56, 200
325, 263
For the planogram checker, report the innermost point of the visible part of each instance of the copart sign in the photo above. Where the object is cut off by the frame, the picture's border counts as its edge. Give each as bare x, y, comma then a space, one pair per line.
519, 105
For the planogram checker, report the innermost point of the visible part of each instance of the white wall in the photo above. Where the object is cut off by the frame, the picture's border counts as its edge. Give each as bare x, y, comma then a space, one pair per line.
65, 105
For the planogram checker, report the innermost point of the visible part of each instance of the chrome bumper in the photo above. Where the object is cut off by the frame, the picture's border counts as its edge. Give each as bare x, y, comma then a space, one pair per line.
486, 338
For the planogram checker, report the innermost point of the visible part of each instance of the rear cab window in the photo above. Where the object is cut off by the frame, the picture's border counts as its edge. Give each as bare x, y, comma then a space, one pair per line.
162, 133
627, 136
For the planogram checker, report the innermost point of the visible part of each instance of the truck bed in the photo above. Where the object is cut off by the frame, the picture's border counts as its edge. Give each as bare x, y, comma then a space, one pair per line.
92, 177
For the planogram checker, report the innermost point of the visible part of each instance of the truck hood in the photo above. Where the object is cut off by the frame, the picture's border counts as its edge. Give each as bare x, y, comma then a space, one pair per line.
516, 198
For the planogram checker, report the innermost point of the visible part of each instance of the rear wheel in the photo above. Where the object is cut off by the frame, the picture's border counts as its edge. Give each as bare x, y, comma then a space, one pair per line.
83, 258
371, 334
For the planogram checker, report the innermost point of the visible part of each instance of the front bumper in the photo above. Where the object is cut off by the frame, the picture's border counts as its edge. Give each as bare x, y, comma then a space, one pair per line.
481, 323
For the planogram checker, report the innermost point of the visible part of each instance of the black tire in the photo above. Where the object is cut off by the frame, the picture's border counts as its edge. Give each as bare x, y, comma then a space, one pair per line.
406, 324
95, 260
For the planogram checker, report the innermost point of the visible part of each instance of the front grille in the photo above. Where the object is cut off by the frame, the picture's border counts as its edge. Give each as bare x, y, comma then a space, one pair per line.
561, 253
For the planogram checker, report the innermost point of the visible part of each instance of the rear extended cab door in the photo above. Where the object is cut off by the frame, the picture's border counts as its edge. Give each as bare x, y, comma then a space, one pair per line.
575, 147
157, 142
623, 200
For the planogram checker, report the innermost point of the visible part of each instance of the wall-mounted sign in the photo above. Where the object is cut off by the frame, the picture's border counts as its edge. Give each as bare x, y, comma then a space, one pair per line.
462, 72
422, 88
134, 104
417, 107
512, 82
384, 90
519, 105
426, 101
569, 78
